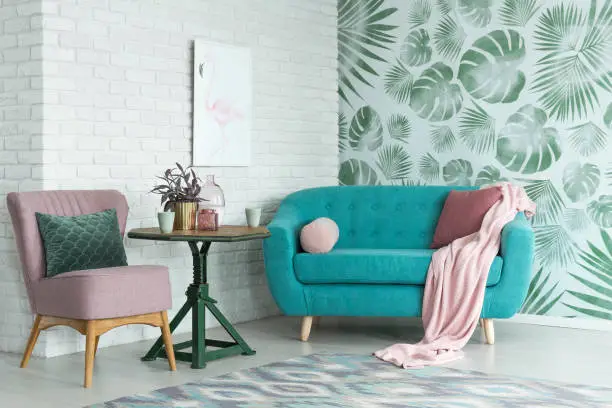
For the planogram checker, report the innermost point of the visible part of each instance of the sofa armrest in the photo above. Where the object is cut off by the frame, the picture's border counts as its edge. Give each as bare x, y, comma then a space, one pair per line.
517, 251
279, 250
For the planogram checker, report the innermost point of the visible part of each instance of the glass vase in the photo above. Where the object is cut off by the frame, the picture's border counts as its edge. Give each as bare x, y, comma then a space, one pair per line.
213, 198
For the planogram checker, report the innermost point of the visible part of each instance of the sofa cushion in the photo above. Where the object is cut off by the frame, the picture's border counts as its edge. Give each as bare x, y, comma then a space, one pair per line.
373, 266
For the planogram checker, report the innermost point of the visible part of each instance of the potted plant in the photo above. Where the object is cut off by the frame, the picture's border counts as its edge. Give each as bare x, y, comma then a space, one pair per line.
180, 190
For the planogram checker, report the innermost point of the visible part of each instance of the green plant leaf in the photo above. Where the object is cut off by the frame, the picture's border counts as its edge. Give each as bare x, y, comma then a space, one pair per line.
399, 127
476, 12
580, 181
407, 182
578, 54
434, 97
554, 245
600, 211
525, 145
442, 139
576, 219
356, 172
398, 82
518, 12
394, 162
477, 130
590, 312
458, 172
362, 32
445, 6
449, 38
587, 138
539, 303
429, 168
343, 142
419, 12
607, 119
366, 129
489, 69
548, 201
415, 49
489, 175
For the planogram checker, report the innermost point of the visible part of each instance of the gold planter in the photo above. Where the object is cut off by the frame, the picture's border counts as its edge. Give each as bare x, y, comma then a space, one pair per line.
185, 215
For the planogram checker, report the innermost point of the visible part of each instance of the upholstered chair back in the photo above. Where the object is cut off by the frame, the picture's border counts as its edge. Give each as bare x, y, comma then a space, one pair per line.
23, 206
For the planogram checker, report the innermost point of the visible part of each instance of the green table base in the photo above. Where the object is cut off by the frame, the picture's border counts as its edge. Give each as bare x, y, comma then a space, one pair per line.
198, 301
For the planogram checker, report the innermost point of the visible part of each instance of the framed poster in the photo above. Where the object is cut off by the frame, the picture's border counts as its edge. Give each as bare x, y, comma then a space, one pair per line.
222, 105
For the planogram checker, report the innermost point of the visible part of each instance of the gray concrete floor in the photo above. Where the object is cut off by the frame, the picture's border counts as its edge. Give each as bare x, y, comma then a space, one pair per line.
557, 354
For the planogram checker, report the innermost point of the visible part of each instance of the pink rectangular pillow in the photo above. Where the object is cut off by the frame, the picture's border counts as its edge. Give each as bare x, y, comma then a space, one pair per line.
463, 213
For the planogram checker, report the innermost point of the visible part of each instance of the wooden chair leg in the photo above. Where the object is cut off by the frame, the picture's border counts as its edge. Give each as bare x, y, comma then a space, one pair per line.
489, 331
96, 346
90, 352
167, 337
306, 325
31, 342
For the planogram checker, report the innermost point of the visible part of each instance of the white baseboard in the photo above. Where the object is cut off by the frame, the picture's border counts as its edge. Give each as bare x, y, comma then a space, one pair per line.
568, 322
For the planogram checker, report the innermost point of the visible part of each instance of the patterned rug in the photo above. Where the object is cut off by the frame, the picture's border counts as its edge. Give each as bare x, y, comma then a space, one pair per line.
346, 380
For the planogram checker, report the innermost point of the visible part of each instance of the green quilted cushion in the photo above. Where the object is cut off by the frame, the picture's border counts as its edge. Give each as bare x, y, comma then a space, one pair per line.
89, 241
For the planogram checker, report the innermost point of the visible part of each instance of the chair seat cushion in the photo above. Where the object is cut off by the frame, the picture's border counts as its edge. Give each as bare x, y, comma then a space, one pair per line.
373, 266
104, 293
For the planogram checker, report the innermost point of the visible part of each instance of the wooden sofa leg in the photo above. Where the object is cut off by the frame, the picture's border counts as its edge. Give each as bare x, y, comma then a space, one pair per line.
31, 342
489, 331
306, 325
167, 338
90, 352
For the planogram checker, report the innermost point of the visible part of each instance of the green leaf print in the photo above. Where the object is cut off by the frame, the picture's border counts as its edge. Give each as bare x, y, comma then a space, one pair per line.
416, 50
343, 143
366, 129
442, 139
476, 12
434, 97
356, 172
600, 211
587, 139
576, 219
489, 175
580, 181
398, 82
394, 162
362, 34
399, 127
406, 182
445, 6
608, 116
457, 173
577, 60
518, 12
489, 69
419, 12
609, 176
429, 168
537, 301
525, 145
554, 245
548, 201
477, 130
449, 38
596, 298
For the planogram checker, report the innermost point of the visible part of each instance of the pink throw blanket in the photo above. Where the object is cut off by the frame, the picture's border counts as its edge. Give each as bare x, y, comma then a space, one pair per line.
455, 286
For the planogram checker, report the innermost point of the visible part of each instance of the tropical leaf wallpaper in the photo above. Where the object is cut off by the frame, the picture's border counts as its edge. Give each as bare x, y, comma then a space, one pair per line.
472, 92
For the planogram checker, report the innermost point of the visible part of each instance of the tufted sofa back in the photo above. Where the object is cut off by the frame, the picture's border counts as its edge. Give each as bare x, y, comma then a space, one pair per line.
388, 217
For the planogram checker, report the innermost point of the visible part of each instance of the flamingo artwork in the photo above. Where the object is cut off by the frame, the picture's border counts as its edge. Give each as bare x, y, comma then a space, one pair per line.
222, 97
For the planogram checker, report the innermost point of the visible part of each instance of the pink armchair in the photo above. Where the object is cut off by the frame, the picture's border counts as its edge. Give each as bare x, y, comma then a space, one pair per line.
90, 301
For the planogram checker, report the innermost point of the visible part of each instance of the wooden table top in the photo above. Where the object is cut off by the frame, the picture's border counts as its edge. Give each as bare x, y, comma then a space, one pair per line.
225, 233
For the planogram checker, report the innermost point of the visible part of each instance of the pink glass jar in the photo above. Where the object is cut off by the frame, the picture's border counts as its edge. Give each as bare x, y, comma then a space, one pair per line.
208, 220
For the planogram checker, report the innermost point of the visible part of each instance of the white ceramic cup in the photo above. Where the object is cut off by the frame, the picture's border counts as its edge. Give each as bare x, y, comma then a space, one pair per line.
253, 216
166, 221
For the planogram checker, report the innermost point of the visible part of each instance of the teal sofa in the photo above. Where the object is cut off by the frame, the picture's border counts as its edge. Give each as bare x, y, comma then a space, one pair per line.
379, 265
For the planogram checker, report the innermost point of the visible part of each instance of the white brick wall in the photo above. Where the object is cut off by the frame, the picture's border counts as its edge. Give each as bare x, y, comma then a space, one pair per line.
118, 105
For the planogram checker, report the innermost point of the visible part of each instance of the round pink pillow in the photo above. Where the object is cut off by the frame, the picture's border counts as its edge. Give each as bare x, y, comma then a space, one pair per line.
319, 236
